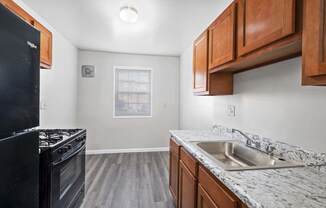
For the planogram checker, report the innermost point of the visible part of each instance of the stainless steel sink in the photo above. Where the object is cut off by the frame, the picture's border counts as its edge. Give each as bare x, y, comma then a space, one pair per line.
233, 155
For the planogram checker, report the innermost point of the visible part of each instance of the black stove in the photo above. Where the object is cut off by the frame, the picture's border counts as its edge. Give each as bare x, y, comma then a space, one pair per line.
62, 167
52, 137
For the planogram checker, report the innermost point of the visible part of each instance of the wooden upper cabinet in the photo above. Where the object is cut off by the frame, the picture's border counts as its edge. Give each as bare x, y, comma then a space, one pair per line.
203, 82
14, 8
222, 38
261, 22
314, 42
200, 66
46, 45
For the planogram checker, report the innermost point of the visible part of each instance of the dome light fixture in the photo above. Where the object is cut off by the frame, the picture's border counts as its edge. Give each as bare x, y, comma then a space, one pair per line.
129, 14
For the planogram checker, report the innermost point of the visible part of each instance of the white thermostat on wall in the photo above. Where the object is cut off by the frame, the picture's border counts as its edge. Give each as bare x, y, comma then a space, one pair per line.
88, 71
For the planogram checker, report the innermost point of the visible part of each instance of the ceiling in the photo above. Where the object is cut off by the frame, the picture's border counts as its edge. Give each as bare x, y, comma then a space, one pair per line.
164, 27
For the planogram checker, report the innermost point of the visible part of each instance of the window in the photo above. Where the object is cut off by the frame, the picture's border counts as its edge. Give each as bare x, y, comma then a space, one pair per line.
132, 92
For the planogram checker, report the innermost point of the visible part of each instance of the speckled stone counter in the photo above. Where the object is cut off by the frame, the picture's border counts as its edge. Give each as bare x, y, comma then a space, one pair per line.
301, 187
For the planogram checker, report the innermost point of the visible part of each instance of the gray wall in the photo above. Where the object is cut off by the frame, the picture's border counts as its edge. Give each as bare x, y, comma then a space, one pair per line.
95, 102
58, 86
269, 101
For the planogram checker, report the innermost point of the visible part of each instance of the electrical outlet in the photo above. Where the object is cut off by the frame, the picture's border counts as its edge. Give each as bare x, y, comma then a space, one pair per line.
231, 110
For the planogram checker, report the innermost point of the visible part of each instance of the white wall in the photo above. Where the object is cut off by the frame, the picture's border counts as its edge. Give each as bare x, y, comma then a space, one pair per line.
59, 85
95, 102
269, 101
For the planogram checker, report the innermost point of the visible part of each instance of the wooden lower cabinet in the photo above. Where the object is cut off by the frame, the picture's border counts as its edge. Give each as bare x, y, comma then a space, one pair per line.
187, 187
195, 186
174, 170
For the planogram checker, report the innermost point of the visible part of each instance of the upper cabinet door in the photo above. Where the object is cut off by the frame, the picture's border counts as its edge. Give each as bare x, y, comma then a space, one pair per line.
200, 65
314, 38
222, 38
46, 45
261, 22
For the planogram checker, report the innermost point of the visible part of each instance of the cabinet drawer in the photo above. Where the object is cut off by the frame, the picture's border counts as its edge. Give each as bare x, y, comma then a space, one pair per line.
189, 161
219, 194
174, 147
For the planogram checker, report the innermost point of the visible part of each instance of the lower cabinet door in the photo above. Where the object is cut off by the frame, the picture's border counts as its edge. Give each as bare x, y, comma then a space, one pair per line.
204, 200
187, 188
174, 174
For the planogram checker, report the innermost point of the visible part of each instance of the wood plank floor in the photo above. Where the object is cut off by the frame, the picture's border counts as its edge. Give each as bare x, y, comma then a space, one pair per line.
129, 180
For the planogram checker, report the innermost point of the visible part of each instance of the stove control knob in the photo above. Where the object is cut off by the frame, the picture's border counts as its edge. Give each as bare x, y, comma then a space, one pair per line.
62, 150
80, 139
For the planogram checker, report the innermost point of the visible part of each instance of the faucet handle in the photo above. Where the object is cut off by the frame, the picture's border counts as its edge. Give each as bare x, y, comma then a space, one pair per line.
270, 149
249, 142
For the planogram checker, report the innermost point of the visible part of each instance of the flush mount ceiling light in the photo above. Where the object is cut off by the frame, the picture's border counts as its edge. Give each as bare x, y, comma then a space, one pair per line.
129, 14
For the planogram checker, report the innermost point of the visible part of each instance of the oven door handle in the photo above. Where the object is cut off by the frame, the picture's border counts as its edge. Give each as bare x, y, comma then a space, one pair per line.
69, 157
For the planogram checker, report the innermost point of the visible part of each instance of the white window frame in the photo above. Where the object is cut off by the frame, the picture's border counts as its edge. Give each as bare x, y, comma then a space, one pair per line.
114, 88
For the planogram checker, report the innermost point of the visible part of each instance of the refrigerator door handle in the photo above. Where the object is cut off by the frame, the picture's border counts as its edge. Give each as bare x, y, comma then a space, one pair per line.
31, 45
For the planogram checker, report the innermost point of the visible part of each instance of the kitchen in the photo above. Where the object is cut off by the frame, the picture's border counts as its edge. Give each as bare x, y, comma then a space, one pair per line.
144, 104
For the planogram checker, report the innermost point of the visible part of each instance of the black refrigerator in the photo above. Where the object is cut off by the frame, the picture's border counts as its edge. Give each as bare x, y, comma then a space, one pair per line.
19, 112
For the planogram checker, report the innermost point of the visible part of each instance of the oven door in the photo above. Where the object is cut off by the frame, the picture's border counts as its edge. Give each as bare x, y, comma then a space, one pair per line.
68, 179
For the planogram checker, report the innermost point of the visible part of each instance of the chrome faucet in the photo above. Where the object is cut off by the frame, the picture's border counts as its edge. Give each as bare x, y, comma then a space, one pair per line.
249, 140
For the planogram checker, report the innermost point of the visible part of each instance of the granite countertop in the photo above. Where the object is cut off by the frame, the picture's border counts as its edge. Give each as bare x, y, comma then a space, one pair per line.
300, 187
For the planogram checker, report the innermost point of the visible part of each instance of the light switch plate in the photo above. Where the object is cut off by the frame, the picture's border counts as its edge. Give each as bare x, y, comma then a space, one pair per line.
231, 110
43, 105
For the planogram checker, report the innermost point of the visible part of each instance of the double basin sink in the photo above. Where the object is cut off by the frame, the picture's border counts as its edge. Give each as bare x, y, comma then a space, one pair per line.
234, 155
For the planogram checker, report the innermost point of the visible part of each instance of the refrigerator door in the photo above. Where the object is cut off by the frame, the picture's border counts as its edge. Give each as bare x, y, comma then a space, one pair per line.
19, 171
19, 73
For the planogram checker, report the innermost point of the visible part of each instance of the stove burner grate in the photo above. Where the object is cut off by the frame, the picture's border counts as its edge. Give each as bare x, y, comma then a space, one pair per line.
50, 137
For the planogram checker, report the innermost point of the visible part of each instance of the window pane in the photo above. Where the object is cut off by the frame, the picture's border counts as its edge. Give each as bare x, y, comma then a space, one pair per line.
132, 92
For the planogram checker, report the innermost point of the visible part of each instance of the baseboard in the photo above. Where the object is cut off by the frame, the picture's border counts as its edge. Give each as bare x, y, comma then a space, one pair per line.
112, 151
